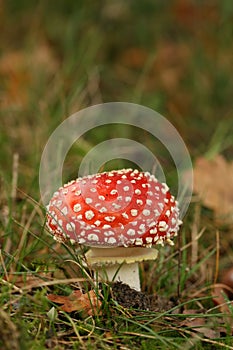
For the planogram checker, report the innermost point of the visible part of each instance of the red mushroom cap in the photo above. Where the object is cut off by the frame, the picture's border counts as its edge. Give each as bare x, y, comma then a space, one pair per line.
117, 208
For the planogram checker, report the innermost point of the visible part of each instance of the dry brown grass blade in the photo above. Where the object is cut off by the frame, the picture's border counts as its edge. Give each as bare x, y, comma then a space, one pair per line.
24, 284
217, 257
194, 234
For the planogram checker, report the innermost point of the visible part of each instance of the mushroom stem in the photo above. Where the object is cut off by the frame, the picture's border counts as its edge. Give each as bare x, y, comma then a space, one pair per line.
126, 273
119, 264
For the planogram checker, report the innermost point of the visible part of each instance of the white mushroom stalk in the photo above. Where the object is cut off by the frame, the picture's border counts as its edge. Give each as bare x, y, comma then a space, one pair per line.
120, 214
119, 264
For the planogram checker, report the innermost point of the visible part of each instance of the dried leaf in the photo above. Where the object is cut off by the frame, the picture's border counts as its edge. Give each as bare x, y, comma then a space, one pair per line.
226, 277
223, 295
224, 291
220, 298
78, 301
202, 325
213, 182
198, 325
27, 280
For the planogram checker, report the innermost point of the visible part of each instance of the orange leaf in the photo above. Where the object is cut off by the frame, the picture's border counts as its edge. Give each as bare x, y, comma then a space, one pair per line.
219, 294
213, 182
78, 301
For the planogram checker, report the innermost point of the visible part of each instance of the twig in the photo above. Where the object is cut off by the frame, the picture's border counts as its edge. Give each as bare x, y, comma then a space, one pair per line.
179, 263
3, 265
194, 233
15, 168
217, 257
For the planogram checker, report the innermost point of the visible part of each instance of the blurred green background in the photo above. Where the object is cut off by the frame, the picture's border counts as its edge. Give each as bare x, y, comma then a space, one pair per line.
58, 57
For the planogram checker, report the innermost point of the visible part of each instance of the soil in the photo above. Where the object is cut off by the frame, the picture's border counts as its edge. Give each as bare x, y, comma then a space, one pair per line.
131, 298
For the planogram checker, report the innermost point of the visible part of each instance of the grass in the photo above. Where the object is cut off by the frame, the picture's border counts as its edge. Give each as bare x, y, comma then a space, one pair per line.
57, 59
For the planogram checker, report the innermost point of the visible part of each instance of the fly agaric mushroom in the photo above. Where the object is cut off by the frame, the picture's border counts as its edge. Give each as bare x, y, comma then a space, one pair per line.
120, 214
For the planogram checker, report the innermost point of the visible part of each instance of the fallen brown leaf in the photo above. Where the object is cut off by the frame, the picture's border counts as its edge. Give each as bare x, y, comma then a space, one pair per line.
223, 291
78, 301
220, 294
213, 182
198, 324
226, 277
27, 280
220, 297
210, 329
